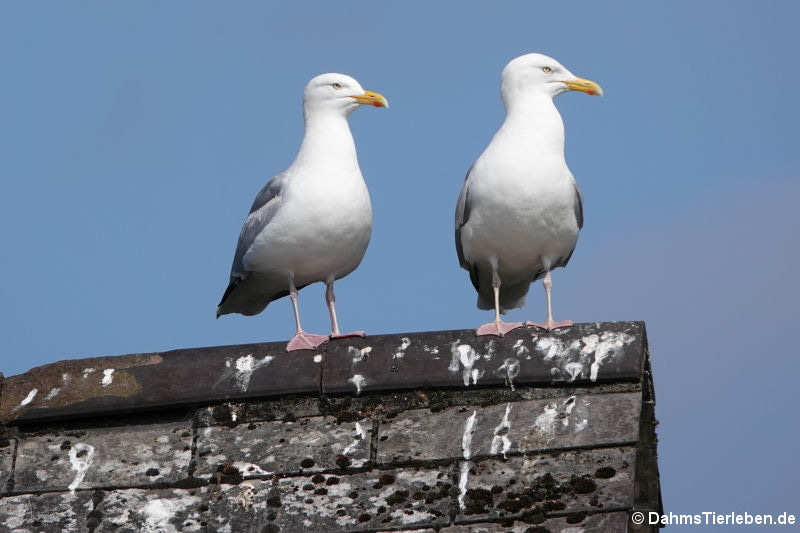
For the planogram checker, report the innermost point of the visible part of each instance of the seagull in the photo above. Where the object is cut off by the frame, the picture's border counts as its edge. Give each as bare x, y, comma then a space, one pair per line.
313, 221
519, 211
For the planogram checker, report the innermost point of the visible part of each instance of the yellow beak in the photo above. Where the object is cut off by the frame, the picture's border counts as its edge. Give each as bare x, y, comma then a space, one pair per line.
587, 86
371, 98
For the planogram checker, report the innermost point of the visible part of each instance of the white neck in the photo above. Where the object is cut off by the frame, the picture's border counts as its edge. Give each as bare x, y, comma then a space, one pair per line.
327, 142
535, 118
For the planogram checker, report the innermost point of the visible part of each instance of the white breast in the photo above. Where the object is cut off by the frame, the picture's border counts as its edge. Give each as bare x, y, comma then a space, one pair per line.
321, 231
522, 211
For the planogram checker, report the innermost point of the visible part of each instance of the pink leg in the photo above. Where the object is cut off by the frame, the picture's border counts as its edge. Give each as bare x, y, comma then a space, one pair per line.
330, 298
498, 327
301, 339
550, 324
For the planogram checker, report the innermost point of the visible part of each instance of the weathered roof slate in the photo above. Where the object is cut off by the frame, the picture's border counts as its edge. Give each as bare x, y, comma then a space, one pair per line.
585, 353
417, 432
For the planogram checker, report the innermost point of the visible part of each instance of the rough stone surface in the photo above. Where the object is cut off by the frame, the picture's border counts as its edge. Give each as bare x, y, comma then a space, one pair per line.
389, 405
598, 352
333, 502
248, 506
6, 460
305, 445
232, 413
576, 523
257, 505
181, 377
512, 427
533, 432
424, 530
102, 457
533, 486
156, 511
370, 500
55, 511
585, 353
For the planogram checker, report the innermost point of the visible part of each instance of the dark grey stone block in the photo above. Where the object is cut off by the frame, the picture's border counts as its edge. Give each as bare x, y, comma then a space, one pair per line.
413, 498
584, 353
424, 530
578, 522
233, 413
263, 448
248, 506
102, 457
532, 487
169, 379
511, 428
6, 461
401, 498
49, 512
157, 511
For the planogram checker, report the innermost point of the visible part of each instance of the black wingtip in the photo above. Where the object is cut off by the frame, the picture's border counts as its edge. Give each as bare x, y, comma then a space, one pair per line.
232, 285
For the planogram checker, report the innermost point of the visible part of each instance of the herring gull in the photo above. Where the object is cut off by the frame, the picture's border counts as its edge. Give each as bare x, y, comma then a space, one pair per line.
312, 222
519, 211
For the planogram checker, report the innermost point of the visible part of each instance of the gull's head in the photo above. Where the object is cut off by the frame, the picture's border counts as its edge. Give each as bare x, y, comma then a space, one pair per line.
338, 93
538, 74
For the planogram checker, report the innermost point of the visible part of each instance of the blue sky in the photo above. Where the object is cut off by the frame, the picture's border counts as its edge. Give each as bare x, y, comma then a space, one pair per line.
133, 137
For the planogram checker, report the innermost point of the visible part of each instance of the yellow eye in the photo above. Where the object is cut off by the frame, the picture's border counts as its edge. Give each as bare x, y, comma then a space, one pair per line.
336, 85
547, 70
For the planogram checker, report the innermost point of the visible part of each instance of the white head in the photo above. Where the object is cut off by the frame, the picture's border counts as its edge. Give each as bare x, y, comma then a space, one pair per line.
337, 93
538, 74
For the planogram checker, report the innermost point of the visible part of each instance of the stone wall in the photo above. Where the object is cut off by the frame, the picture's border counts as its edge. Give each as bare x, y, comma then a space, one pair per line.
435, 431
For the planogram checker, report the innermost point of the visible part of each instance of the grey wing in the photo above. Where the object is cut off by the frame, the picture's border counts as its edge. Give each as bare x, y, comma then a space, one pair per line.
462, 215
578, 206
463, 209
263, 210
265, 205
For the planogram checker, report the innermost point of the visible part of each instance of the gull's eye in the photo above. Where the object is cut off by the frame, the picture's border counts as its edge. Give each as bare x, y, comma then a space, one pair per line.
547, 70
336, 85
